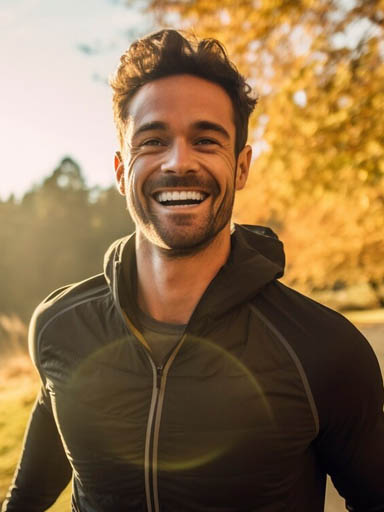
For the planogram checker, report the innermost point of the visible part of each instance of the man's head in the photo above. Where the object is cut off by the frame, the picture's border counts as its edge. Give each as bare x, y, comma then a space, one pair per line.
178, 108
168, 53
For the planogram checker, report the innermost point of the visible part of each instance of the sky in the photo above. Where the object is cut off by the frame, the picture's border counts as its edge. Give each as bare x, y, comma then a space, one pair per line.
56, 56
54, 100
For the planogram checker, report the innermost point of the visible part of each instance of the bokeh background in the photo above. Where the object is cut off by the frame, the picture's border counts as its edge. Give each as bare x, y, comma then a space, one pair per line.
317, 67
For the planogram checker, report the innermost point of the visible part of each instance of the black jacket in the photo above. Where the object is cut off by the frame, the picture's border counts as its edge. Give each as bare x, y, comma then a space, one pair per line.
266, 393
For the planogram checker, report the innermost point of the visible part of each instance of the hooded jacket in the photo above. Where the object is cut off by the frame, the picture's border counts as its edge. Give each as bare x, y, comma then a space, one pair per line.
266, 393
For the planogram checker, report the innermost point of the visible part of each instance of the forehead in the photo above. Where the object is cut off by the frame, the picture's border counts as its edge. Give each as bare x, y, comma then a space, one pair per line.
180, 101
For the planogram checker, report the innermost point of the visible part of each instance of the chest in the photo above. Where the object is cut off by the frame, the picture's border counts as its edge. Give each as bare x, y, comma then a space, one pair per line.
231, 407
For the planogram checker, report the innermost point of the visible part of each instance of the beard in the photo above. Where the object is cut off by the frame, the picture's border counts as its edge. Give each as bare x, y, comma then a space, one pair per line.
183, 236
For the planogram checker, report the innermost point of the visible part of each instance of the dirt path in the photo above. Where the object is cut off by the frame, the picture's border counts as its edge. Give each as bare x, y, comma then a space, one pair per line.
375, 335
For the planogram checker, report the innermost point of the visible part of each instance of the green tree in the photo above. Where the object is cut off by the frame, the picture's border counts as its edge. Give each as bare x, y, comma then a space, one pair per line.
56, 235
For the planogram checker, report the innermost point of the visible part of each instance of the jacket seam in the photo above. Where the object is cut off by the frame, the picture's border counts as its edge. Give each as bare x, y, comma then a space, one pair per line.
297, 362
55, 316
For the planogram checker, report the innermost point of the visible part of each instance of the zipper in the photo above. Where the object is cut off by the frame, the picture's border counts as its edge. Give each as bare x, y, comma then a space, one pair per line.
160, 374
149, 436
159, 379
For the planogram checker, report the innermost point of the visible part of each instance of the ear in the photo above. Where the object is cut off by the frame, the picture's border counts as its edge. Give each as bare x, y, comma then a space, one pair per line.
243, 165
119, 173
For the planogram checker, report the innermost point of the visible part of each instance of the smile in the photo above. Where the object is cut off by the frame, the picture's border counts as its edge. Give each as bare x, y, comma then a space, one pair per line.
180, 197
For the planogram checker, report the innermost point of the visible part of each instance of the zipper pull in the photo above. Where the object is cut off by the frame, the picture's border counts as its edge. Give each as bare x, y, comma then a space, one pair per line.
159, 371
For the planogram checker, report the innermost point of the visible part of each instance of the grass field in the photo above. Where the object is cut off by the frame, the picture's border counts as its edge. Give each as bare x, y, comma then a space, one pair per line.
18, 388
19, 385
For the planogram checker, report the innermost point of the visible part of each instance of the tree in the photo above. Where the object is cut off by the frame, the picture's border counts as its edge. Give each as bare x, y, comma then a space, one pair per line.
318, 176
56, 235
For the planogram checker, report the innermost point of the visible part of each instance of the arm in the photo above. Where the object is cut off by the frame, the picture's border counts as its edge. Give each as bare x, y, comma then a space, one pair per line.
346, 384
351, 441
43, 470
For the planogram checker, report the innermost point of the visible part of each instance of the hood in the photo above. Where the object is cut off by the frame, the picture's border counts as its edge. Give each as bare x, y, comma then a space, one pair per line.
114, 256
256, 259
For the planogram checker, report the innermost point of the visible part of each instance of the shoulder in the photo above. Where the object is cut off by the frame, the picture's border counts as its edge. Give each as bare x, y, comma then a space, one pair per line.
339, 363
62, 301
316, 323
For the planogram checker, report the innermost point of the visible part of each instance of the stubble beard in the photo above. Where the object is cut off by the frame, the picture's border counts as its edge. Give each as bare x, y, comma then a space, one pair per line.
183, 238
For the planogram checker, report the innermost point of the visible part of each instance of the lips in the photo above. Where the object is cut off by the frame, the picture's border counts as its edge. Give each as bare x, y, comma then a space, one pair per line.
180, 197
180, 190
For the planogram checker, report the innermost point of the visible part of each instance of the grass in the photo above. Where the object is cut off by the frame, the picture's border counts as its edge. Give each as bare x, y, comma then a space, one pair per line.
17, 394
18, 388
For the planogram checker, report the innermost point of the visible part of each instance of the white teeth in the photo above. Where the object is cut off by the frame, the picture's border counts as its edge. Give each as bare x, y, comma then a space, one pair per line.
180, 195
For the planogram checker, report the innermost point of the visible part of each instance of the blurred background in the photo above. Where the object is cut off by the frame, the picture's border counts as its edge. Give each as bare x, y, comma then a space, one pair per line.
318, 136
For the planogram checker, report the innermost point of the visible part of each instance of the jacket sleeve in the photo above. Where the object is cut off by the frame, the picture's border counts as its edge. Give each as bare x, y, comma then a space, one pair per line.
351, 440
346, 384
43, 470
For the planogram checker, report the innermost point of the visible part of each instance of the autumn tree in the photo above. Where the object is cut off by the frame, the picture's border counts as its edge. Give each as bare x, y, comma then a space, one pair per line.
317, 134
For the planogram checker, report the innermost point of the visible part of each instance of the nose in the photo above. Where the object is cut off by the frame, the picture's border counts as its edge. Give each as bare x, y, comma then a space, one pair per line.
179, 158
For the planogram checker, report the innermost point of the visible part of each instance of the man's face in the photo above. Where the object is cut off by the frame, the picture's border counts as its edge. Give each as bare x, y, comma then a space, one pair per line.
179, 172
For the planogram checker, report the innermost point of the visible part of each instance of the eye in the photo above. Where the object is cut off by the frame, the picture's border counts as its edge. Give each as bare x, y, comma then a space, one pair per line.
152, 142
206, 141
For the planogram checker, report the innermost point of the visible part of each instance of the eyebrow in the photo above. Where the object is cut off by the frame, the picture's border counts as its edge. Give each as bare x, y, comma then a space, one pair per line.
198, 125
147, 127
209, 125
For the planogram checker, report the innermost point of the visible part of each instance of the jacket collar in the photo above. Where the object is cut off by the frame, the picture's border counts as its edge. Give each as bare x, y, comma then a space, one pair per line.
256, 259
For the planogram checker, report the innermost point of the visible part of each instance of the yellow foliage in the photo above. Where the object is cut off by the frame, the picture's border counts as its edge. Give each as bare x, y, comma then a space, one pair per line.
319, 179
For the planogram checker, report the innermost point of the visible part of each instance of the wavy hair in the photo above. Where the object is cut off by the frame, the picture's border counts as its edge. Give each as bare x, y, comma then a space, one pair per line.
168, 52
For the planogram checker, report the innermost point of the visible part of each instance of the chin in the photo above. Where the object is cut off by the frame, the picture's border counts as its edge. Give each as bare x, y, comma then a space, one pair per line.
184, 245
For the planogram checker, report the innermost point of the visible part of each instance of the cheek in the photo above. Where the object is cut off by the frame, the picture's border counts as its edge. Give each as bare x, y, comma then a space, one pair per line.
218, 158
221, 165
137, 171
226, 172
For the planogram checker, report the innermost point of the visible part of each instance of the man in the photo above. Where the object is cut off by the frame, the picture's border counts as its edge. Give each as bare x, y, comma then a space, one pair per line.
187, 377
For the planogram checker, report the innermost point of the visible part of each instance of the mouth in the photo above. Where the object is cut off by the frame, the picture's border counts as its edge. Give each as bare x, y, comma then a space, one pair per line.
180, 197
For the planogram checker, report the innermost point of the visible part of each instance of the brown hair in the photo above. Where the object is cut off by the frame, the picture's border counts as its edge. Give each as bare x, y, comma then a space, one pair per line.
167, 53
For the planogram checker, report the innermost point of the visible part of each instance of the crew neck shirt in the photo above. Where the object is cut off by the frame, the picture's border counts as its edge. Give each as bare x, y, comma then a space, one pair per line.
160, 336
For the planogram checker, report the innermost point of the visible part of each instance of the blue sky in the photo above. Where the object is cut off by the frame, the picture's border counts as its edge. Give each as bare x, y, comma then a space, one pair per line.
54, 100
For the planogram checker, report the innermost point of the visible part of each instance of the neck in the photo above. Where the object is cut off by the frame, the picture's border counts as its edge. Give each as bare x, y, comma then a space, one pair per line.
169, 288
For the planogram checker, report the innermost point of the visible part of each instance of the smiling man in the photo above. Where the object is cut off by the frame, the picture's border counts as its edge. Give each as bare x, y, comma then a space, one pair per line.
179, 171
168, 132
186, 377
